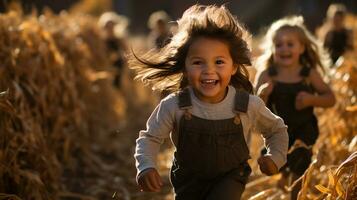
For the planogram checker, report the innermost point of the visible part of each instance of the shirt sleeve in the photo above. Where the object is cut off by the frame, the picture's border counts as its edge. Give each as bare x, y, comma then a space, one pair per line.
274, 133
158, 128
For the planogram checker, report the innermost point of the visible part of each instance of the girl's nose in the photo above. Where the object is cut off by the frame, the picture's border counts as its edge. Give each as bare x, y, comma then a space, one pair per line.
209, 68
284, 47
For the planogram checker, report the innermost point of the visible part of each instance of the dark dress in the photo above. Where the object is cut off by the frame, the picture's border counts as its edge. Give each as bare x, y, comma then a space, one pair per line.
302, 124
211, 158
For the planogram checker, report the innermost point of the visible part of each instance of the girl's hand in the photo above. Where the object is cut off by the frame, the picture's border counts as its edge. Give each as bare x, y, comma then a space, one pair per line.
149, 180
303, 100
265, 90
267, 165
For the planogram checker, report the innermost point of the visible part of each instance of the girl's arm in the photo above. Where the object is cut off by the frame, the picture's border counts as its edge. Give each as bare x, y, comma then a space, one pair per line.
158, 128
349, 40
324, 97
274, 132
264, 85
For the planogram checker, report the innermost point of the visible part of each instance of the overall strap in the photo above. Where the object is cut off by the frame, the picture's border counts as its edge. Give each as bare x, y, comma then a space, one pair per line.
241, 101
184, 102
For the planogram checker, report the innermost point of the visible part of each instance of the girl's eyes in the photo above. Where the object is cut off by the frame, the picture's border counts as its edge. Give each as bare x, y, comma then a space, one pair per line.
197, 62
278, 45
290, 44
219, 62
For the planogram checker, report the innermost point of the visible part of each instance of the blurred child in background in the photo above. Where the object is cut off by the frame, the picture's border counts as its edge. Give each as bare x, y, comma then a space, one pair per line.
212, 113
159, 29
115, 31
291, 85
338, 38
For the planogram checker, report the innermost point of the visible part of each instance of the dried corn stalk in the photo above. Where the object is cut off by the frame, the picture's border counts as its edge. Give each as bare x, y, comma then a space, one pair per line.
52, 105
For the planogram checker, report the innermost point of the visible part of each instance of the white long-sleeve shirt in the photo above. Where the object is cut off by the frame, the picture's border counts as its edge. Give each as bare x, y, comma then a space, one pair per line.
164, 123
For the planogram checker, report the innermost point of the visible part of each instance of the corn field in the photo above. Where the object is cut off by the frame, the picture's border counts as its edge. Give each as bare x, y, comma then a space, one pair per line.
67, 133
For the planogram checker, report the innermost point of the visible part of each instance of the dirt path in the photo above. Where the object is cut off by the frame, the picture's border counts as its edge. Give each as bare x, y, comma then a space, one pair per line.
140, 102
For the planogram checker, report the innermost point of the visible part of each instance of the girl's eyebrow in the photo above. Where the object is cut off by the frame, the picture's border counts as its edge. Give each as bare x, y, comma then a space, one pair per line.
194, 57
198, 57
225, 57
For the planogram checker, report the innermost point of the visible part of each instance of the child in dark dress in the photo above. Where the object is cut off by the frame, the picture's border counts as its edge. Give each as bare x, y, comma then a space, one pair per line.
291, 86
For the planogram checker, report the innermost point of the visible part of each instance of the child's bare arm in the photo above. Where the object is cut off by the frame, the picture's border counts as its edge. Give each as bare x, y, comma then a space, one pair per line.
264, 85
350, 40
324, 97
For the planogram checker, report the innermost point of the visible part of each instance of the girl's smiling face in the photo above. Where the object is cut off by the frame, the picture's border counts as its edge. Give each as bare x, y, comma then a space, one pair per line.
208, 68
287, 48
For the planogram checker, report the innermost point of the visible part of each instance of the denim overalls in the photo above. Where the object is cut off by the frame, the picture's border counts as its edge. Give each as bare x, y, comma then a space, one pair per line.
210, 162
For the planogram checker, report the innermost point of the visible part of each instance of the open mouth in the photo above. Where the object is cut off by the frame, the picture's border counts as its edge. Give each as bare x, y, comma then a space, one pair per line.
285, 56
209, 82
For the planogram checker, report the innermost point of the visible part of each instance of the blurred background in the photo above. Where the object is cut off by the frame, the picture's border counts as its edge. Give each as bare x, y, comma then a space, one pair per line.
254, 13
70, 109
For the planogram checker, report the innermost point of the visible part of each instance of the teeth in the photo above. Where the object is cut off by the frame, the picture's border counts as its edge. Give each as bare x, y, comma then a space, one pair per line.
208, 81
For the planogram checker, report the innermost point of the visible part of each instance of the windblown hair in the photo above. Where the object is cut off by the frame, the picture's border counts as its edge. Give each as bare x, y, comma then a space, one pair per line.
314, 55
164, 68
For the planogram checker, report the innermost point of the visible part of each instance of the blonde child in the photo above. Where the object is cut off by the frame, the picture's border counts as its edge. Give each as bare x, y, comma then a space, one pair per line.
210, 115
291, 86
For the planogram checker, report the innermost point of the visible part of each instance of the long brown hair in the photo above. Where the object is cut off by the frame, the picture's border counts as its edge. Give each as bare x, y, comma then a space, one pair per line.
164, 68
